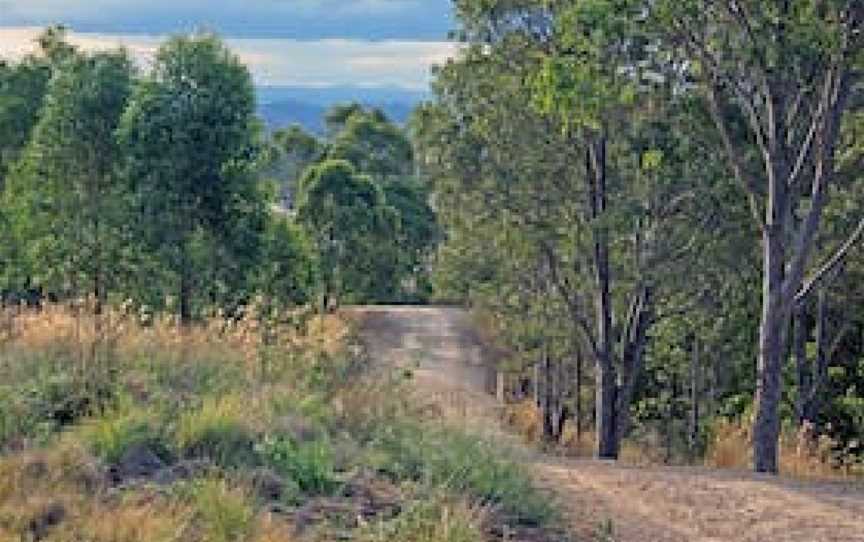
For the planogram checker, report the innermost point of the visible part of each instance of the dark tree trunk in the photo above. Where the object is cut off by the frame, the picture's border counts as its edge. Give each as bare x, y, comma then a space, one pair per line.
772, 329
803, 373
695, 385
605, 403
185, 297
606, 379
819, 369
577, 403
670, 419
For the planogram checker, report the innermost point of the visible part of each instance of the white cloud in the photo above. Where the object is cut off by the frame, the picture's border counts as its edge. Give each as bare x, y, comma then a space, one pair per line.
309, 63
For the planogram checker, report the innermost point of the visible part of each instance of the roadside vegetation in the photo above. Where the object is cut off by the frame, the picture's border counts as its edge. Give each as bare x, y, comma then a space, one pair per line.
654, 208
115, 431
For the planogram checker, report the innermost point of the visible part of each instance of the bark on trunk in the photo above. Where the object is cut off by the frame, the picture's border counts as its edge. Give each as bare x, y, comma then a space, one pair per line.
803, 371
607, 435
766, 427
695, 384
577, 404
606, 379
185, 298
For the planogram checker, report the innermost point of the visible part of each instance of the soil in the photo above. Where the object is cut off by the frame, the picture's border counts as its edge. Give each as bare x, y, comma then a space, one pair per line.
605, 500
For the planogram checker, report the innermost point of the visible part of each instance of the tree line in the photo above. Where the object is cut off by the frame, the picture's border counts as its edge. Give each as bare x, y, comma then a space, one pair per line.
665, 192
160, 188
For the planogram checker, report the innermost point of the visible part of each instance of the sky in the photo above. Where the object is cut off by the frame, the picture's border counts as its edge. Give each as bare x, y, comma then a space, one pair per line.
306, 43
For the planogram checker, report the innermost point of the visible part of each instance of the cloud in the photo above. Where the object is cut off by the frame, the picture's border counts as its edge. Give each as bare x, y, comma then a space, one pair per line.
294, 19
284, 62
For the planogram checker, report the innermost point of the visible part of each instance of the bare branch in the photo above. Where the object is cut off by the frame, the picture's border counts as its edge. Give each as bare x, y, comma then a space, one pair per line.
831, 264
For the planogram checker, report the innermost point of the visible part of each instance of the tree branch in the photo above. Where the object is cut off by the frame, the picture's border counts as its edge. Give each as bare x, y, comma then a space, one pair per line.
831, 264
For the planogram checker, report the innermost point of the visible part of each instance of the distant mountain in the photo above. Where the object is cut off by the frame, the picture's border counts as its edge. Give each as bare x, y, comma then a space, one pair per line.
283, 106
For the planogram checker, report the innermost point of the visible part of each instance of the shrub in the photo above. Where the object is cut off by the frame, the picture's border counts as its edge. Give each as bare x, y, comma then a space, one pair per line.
462, 464
112, 436
309, 464
436, 519
225, 514
218, 430
49, 400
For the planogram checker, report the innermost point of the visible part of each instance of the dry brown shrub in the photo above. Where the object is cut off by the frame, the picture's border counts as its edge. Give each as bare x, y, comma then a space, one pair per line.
803, 454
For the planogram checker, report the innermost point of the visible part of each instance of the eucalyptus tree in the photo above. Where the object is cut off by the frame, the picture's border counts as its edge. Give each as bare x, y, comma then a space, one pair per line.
23, 85
558, 115
190, 133
396, 266
347, 215
785, 74
289, 152
68, 203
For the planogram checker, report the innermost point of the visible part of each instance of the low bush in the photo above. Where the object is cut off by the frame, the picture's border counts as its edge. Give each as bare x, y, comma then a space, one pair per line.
223, 513
439, 518
112, 436
219, 430
309, 465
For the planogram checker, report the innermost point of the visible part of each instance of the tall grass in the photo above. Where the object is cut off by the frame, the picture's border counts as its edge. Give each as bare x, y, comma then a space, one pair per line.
802, 455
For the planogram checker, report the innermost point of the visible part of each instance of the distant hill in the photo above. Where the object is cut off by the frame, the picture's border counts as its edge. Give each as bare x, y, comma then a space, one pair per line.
283, 106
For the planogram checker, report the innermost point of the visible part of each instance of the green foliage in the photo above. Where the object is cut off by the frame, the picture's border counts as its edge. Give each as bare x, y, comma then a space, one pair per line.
348, 215
463, 464
218, 431
37, 404
226, 514
309, 464
435, 519
68, 207
288, 272
114, 434
199, 205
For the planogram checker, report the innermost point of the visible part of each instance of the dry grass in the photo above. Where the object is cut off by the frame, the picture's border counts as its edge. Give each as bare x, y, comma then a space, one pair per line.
802, 454
136, 332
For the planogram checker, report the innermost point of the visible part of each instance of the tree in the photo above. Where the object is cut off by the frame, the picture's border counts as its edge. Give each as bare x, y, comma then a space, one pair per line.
783, 73
372, 144
288, 272
68, 204
190, 133
22, 89
541, 135
347, 215
289, 153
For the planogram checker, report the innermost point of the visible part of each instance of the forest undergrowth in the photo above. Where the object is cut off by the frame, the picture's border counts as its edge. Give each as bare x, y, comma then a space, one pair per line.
729, 446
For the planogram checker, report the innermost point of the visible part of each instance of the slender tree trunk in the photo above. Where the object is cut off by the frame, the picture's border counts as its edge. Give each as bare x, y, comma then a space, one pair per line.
772, 329
606, 379
670, 418
606, 391
695, 378
185, 295
634, 339
577, 404
546, 399
813, 404
536, 390
803, 373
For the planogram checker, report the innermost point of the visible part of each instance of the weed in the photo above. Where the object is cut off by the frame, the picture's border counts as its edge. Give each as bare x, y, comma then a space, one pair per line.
434, 519
112, 436
219, 431
225, 514
309, 464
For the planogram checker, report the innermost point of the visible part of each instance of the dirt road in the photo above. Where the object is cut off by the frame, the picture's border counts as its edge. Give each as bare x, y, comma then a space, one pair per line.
643, 504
